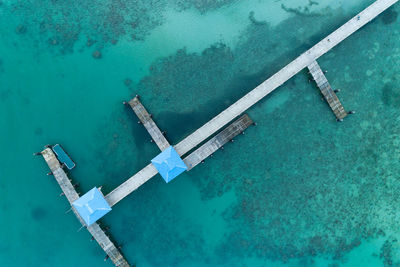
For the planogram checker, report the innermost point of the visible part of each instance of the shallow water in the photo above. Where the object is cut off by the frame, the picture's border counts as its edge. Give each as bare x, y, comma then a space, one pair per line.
297, 190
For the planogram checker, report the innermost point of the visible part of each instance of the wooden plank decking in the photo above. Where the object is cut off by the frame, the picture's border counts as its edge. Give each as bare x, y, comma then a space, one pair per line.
191, 160
215, 143
131, 184
149, 124
69, 191
258, 93
326, 90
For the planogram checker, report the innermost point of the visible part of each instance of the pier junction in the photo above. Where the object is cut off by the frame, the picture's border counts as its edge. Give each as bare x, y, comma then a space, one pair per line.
213, 135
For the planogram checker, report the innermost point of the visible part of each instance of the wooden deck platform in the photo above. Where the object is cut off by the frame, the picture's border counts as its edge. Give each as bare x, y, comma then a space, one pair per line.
69, 191
326, 90
149, 124
215, 143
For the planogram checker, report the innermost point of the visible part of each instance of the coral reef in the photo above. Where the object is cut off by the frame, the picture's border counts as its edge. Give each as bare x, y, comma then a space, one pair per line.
389, 16
323, 187
62, 24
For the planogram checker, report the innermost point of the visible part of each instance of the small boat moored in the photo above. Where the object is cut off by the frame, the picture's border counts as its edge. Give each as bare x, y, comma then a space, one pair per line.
63, 157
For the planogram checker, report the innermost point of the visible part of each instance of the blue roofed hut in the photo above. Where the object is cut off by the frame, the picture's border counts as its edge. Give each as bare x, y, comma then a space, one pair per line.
91, 206
169, 164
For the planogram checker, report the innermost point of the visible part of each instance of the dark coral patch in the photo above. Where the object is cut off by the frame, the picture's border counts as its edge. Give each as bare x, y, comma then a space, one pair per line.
38, 213
128, 82
389, 16
21, 29
391, 95
59, 24
96, 54
38, 131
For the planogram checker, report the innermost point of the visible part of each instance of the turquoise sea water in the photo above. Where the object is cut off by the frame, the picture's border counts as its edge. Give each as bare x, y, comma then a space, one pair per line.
299, 189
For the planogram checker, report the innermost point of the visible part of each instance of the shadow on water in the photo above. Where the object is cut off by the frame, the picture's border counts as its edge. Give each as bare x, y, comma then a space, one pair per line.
141, 136
389, 16
124, 148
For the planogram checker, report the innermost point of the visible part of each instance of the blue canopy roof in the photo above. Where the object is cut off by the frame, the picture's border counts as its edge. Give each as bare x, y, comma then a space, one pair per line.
169, 164
92, 206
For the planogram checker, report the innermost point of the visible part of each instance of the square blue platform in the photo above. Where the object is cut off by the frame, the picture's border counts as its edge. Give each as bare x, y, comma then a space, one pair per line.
91, 206
169, 164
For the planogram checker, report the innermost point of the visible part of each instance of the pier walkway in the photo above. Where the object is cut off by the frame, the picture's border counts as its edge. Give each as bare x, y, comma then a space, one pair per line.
191, 160
69, 191
149, 124
307, 59
326, 90
283, 75
215, 143
251, 98
131, 184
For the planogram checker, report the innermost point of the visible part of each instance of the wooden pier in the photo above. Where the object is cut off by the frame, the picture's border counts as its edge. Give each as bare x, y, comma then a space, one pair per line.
191, 160
69, 191
283, 75
258, 93
215, 143
149, 124
326, 90
307, 59
131, 184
